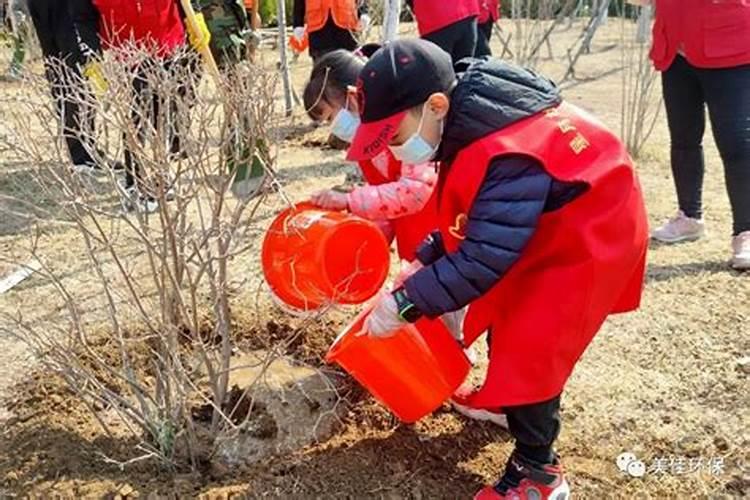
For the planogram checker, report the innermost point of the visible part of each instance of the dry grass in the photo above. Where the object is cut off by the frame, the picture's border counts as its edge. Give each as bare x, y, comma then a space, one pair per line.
663, 382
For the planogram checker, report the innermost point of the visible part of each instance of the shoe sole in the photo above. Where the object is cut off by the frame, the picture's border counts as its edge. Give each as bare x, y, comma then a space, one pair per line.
680, 239
740, 264
562, 492
482, 415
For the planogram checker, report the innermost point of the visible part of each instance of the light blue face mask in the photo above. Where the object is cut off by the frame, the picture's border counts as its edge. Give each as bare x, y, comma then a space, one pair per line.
416, 149
345, 125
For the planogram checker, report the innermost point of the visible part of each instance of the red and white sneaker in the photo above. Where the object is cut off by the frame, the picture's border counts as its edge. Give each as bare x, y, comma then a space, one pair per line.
494, 415
540, 482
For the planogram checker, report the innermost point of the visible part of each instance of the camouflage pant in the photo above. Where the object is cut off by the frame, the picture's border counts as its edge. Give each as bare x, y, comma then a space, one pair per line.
18, 13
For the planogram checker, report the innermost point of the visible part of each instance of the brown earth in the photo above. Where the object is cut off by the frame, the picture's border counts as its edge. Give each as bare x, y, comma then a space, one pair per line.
666, 382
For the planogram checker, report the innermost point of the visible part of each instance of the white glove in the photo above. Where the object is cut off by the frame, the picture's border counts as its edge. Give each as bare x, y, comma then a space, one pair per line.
364, 22
454, 321
384, 319
406, 269
299, 33
330, 199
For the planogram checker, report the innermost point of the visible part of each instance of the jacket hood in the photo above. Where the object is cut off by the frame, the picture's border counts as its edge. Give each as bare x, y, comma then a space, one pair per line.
489, 96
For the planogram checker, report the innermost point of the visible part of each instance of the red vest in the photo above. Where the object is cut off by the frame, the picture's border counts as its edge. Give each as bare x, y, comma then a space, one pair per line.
434, 15
710, 33
489, 10
585, 261
411, 230
153, 24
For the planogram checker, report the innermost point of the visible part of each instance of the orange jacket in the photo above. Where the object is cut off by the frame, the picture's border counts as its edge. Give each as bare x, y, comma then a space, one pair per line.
344, 14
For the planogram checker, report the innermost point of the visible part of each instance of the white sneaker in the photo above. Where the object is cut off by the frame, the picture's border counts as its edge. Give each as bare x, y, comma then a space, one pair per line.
135, 201
680, 228
741, 251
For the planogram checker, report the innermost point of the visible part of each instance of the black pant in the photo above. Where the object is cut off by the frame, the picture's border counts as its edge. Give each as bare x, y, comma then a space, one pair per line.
329, 38
726, 93
57, 38
152, 110
458, 39
483, 39
535, 428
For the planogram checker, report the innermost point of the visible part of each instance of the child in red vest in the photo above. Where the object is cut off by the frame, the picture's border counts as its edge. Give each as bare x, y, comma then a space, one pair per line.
543, 232
399, 197
452, 25
329, 24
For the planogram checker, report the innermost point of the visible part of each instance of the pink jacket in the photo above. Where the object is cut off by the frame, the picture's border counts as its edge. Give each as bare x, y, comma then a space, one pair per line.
406, 196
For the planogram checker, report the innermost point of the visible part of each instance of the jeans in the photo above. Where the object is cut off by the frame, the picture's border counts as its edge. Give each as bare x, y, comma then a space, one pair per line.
726, 93
151, 110
458, 39
329, 38
56, 36
483, 40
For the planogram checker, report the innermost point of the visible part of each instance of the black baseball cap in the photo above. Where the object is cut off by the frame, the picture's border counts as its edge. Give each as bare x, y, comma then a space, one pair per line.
400, 75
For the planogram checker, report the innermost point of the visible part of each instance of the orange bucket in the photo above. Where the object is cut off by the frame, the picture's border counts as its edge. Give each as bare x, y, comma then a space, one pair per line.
412, 373
312, 257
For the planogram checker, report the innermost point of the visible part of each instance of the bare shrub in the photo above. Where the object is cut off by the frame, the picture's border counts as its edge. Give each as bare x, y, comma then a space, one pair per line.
158, 284
641, 97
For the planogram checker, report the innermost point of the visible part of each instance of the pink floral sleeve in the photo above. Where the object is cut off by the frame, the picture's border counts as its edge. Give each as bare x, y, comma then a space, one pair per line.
406, 196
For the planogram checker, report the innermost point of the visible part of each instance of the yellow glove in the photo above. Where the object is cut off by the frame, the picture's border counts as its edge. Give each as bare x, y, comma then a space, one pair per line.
198, 40
93, 73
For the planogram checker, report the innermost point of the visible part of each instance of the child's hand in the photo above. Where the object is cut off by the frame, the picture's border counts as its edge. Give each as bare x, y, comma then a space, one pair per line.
330, 199
384, 319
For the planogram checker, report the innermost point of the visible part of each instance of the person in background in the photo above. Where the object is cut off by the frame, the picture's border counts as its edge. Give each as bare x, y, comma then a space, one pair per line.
64, 65
330, 24
19, 17
161, 32
452, 26
535, 196
232, 37
489, 13
703, 51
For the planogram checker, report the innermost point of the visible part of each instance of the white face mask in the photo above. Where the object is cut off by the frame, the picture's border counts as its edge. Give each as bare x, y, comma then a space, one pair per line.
416, 149
345, 125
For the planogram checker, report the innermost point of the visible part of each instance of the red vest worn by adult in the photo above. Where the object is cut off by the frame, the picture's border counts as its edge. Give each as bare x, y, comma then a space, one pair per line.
489, 10
344, 14
710, 34
584, 262
435, 15
411, 230
155, 25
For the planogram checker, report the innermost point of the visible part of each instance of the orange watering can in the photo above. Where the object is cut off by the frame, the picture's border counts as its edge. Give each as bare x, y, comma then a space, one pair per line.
412, 372
312, 257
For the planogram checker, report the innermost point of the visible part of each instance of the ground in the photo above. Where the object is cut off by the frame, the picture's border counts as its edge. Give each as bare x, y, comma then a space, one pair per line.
667, 383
